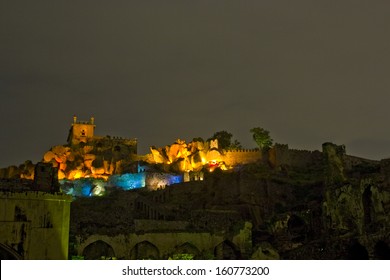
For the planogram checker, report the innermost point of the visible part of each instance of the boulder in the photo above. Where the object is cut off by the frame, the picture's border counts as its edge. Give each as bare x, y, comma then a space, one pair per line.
98, 162
59, 150
213, 155
48, 156
157, 156
196, 162
97, 170
61, 175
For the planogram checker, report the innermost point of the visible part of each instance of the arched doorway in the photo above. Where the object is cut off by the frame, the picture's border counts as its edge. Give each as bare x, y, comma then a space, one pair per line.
357, 251
98, 250
144, 251
382, 251
7, 253
187, 248
297, 228
226, 250
367, 207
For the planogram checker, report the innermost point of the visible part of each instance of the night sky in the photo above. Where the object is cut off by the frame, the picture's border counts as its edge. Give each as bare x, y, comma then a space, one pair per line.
308, 71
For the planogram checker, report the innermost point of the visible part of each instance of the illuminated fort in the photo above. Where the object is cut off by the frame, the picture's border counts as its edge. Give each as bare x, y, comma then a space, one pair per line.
220, 204
113, 161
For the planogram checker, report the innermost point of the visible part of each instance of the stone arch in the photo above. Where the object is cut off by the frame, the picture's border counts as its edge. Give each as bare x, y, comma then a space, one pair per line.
357, 251
297, 228
227, 250
187, 248
7, 253
144, 251
382, 250
97, 250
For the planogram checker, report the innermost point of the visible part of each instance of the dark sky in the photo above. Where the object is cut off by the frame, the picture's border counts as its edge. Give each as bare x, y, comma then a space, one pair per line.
308, 71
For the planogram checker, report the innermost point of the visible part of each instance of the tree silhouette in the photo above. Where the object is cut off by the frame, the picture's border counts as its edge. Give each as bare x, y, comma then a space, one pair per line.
225, 140
261, 137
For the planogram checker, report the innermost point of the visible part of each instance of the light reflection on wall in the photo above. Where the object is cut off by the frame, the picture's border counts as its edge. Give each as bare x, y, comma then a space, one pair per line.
83, 187
158, 180
128, 181
87, 187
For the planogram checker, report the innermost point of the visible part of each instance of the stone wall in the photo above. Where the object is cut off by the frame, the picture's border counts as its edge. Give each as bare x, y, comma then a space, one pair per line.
280, 155
23, 171
162, 245
35, 225
237, 157
160, 225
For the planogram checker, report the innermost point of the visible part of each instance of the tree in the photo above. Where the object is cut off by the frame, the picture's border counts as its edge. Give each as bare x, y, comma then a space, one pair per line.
225, 140
198, 139
235, 145
261, 137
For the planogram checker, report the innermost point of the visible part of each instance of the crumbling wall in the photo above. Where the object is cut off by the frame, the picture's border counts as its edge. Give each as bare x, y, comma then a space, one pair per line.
334, 164
353, 204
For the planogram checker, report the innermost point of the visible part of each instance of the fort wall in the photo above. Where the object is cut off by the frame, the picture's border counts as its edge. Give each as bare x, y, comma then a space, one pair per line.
162, 245
35, 224
160, 225
280, 155
236, 157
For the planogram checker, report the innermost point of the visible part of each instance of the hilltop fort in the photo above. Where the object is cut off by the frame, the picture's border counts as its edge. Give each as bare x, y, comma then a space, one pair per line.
196, 199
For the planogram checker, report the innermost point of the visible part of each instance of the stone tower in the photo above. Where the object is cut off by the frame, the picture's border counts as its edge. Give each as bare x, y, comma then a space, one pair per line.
81, 131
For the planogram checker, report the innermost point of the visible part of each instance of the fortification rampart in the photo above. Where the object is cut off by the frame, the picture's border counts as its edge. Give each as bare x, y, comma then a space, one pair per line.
280, 155
352, 161
35, 225
35, 195
245, 156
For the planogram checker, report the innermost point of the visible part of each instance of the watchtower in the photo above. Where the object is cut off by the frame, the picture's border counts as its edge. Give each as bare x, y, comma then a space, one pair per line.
81, 131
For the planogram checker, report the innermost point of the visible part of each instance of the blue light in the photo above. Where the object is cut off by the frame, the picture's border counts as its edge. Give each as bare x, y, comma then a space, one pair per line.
175, 179
128, 181
81, 187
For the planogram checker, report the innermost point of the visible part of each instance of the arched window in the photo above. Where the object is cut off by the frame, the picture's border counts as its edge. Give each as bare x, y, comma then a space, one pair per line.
144, 251
187, 248
226, 250
97, 250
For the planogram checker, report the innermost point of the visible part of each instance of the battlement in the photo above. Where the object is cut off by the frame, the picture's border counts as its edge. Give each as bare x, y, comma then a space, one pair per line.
35, 195
81, 131
84, 132
242, 156
125, 141
242, 151
280, 154
90, 122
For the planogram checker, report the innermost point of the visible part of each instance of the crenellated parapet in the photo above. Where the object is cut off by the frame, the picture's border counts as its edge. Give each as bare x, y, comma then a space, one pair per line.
243, 156
81, 131
282, 155
242, 151
35, 195
196, 155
